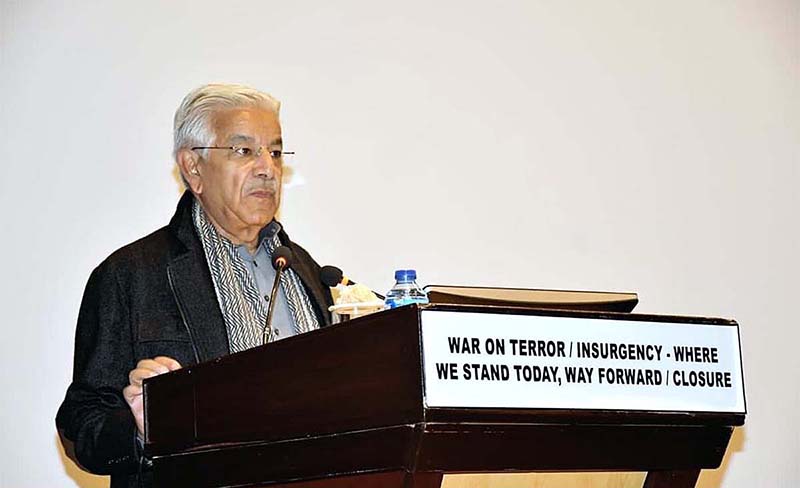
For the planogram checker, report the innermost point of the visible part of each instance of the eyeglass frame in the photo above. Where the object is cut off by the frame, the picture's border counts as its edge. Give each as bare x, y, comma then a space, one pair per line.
257, 154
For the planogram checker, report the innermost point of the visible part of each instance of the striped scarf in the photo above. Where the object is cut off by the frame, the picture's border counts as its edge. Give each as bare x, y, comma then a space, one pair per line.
237, 293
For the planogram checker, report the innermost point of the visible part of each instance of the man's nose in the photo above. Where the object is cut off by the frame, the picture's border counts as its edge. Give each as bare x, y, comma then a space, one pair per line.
264, 165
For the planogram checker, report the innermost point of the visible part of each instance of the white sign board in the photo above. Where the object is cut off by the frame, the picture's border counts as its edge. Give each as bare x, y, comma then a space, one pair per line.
526, 361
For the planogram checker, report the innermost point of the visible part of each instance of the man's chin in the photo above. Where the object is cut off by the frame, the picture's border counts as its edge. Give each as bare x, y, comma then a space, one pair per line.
262, 216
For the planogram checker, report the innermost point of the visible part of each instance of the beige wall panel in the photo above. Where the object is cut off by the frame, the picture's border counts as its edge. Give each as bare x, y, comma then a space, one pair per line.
545, 480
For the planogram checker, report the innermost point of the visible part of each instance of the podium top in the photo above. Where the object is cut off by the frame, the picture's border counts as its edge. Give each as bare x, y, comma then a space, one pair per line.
548, 299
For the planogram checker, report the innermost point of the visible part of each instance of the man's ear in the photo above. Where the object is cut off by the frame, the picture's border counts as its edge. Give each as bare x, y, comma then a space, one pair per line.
190, 167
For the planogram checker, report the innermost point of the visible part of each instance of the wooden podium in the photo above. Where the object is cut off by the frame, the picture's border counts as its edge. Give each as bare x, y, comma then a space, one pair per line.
346, 406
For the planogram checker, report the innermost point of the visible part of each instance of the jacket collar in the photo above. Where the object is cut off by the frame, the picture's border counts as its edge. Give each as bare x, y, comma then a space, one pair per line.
181, 223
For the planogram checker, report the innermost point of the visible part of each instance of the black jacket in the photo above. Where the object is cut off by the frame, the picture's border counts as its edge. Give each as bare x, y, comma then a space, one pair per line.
154, 297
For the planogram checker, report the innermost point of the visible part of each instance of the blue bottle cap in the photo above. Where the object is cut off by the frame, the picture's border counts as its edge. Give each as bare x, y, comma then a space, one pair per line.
405, 275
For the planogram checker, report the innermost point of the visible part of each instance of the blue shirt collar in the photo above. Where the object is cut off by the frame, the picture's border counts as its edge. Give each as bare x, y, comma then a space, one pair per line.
268, 232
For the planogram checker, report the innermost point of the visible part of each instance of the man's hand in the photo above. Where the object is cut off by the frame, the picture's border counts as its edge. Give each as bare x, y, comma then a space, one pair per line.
146, 368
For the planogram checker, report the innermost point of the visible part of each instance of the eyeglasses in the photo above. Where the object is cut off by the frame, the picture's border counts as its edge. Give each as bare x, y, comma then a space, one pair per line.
248, 153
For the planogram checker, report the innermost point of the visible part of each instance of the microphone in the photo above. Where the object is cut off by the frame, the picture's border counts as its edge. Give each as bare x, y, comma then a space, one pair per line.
332, 276
282, 257
281, 260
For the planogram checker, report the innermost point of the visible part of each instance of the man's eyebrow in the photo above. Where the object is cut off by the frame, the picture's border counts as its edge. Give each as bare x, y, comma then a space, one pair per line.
237, 138
240, 138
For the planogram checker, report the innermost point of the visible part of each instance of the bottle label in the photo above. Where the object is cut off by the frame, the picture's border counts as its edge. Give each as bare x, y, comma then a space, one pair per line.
399, 302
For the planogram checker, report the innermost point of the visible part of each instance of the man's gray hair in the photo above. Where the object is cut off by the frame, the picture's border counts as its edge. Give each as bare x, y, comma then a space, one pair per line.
194, 118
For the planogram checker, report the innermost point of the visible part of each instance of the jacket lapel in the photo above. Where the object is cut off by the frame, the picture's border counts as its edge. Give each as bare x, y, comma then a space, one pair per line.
317, 296
193, 288
310, 278
199, 307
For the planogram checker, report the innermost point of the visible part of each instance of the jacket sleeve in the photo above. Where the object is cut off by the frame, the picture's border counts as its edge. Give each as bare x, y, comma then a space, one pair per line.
94, 421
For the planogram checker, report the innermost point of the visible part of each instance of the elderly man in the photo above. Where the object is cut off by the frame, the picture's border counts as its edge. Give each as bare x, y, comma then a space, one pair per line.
194, 290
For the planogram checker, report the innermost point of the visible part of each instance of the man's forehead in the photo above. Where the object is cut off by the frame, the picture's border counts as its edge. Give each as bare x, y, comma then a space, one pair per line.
247, 124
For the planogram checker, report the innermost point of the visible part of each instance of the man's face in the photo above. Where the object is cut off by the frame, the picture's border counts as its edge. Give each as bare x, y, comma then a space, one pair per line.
242, 191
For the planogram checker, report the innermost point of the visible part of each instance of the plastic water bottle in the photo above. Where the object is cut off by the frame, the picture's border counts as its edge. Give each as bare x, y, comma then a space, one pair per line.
405, 290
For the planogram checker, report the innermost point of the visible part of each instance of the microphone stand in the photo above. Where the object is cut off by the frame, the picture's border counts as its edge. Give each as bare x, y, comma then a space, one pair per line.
267, 332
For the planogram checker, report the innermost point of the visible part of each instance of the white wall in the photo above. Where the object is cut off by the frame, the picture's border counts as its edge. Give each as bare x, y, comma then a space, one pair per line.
620, 145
